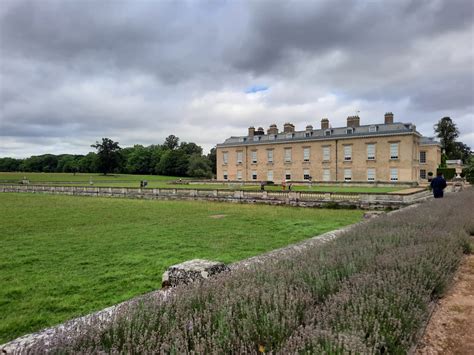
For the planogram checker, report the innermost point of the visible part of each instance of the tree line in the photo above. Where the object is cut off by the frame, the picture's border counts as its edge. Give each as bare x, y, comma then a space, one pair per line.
172, 158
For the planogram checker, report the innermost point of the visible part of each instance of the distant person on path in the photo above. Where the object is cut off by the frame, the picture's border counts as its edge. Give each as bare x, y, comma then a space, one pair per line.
289, 186
438, 184
262, 186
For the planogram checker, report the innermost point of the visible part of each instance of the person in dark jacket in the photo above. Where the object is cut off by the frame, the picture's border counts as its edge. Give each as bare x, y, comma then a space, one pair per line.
438, 184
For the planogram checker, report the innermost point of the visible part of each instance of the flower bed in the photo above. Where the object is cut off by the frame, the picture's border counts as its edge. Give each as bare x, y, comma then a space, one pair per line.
368, 291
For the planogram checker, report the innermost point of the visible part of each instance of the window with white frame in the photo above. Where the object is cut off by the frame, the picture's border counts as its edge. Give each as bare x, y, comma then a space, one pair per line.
308, 134
254, 175
327, 132
306, 175
254, 156
289, 135
347, 174
422, 174
393, 174
372, 129
371, 174
225, 175
271, 137
270, 175
326, 153
370, 151
270, 155
423, 157
326, 175
239, 157
349, 130
393, 150
306, 154
287, 155
256, 138
287, 175
239, 175
225, 157
348, 152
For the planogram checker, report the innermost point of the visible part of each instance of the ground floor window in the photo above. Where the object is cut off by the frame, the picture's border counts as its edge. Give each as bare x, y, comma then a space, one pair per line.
254, 175
239, 175
288, 175
225, 175
326, 175
270, 175
422, 174
347, 174
393, 174
306, 175
371, 174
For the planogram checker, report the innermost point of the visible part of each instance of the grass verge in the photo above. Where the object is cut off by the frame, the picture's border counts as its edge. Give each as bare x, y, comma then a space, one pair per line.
66, 256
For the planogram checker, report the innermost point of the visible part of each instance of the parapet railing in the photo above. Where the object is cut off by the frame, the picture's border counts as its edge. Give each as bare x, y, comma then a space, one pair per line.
301, 198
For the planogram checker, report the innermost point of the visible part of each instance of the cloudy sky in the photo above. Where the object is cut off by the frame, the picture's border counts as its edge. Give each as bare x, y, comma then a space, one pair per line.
73, 71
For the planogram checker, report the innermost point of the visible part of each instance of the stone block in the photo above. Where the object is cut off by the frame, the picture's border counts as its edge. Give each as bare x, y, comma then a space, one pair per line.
192, 270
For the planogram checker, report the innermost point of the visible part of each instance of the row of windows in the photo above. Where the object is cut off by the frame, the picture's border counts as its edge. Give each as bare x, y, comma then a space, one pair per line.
326, 153
326, 175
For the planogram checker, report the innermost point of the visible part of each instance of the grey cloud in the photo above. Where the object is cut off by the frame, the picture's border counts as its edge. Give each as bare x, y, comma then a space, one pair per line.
79, 70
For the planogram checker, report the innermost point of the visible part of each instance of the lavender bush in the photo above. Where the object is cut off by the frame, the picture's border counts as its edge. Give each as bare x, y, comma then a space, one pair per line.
368, 291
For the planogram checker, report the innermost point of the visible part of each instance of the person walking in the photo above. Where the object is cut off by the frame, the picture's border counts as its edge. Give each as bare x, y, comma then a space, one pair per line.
438, 184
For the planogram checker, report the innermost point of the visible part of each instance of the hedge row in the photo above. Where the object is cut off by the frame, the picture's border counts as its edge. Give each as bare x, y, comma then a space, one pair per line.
369, 291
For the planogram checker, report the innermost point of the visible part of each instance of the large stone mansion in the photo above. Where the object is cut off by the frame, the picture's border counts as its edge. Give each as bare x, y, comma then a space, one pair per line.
387, 152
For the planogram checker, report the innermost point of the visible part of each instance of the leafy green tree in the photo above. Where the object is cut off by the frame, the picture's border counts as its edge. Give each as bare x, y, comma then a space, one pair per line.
173, 163
199, 166
89, 163
447, 131
212, 156
139, 161
190, 148
10, 164
468, 171
461, 151
171, 142
108, 153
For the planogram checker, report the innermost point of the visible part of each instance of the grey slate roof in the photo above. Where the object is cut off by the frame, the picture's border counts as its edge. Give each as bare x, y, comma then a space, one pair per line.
429, 141
319, 134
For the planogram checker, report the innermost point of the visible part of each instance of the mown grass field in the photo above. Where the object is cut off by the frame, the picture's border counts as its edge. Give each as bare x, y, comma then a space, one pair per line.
156, 181
66, 256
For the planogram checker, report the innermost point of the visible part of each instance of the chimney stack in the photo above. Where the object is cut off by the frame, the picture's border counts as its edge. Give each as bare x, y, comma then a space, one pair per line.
273, 129
324, 123
288, 128
251, 131
260, 131
388, 118
353, 121
309, 127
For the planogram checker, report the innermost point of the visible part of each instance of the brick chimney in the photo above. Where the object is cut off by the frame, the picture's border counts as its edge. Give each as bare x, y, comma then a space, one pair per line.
273, 129
251, 131
324, 123
288, 128
388, 118
353, 121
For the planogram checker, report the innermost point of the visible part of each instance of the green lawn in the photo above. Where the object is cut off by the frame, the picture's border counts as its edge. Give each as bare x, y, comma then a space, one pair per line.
156, 181
66, 256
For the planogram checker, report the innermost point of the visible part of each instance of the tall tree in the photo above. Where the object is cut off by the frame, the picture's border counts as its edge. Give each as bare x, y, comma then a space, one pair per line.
447, 131
461, 151
171, 142
108, 154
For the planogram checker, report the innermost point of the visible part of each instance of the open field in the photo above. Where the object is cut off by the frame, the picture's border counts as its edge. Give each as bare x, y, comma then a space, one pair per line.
369, 291
156, 181
67, 256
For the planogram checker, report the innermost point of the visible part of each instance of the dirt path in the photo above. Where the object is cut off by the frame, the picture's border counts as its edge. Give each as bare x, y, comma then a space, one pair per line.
451, 328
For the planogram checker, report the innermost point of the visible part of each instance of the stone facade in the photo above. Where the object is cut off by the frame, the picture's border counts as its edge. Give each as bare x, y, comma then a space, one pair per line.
388, 152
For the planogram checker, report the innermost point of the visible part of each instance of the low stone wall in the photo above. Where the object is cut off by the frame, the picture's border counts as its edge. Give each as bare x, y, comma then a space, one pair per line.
292, 198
